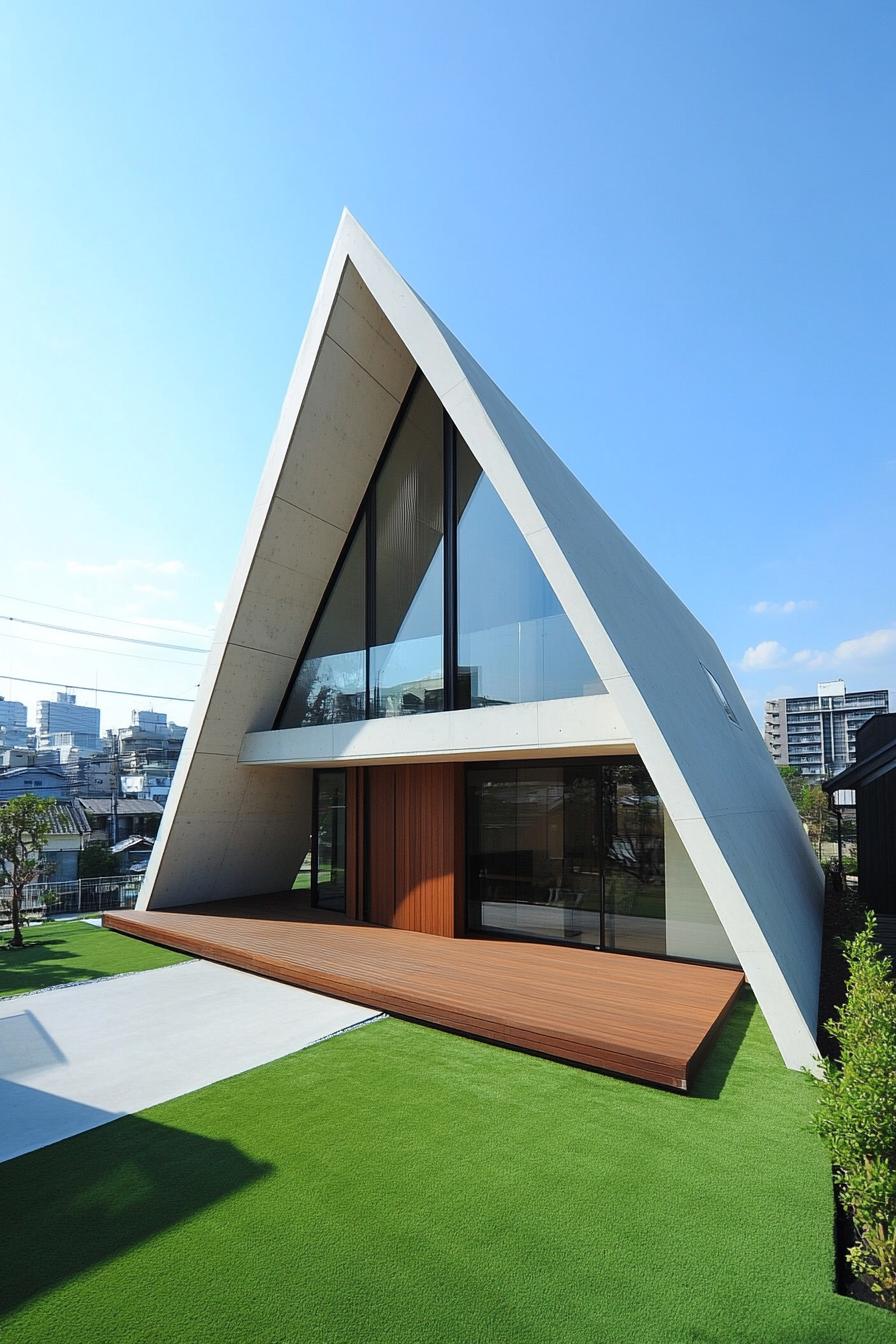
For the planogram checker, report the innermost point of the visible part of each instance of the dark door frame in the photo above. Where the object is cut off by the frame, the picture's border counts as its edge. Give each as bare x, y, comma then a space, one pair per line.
315, 827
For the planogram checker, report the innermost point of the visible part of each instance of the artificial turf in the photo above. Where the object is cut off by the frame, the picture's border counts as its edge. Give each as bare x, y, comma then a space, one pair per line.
398, 1185
63, 952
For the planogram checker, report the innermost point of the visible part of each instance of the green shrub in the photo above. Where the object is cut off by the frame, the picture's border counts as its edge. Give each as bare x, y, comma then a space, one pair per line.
856, 1113
96, 860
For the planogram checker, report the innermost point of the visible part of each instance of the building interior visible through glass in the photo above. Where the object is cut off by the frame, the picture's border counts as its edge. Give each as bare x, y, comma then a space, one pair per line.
572, 851
377, 648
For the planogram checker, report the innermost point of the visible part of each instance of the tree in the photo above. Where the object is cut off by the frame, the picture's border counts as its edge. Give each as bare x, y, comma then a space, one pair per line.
813, 808
97, 860
856, 1115
25, 825
811, 801
793, 781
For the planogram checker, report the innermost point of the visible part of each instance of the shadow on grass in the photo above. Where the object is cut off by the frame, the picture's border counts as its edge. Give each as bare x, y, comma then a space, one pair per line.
51, 958
81, 1202
713, 1071
40, 964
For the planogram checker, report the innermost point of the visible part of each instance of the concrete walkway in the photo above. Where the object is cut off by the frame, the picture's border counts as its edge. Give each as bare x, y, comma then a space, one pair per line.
80, 1056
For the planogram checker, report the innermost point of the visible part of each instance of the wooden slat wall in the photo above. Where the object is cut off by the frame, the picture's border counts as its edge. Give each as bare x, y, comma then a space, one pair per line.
381, 844
415, 860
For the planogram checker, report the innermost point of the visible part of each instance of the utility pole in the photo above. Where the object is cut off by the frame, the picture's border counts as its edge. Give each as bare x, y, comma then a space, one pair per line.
113, 815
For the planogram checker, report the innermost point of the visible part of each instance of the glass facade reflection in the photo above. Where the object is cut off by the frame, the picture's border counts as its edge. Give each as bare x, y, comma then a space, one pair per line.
407, 654
427, 612
569, 851
633, 860
514, 641
331, 682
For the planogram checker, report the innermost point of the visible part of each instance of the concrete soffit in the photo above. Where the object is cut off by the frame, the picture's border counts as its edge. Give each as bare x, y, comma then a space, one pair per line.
367, 332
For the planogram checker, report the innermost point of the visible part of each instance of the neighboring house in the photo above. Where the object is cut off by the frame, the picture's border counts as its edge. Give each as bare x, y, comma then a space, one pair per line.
43, 781
149, 739
112, 821
872, 779
441, 660
154, 782
133, 854
817, 733
70, 829
93, 775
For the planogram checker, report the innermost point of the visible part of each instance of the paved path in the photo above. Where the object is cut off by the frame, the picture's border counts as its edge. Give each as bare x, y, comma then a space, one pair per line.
80, 1056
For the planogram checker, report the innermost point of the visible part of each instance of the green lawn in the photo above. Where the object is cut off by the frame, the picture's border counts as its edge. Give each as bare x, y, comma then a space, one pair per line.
62, 952
399, 1185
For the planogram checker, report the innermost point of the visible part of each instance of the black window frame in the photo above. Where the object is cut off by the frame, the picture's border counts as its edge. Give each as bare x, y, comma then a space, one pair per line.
365, 511
315, 831
367, 514
599, 764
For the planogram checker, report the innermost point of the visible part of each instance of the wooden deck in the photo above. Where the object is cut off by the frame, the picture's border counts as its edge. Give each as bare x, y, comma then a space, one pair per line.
644, 1018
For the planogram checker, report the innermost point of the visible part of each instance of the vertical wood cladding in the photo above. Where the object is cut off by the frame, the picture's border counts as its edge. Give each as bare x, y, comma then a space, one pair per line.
381, 844
415, 855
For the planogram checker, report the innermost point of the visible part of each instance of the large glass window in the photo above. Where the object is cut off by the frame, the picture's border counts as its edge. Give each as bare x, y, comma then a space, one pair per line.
407, 656
633, 860
328, 841
514, 641
412, 586
533, 851
331, 683
571, 851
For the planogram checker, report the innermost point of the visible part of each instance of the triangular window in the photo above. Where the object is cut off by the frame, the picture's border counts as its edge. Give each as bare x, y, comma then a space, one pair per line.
407, 673
514, 641
331, 683
419, 619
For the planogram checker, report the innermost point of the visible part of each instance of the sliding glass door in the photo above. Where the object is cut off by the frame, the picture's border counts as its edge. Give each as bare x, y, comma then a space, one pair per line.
633, 861
569, 851
328, 841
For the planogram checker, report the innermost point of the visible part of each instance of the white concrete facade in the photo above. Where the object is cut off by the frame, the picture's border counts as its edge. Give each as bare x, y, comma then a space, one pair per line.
240, 800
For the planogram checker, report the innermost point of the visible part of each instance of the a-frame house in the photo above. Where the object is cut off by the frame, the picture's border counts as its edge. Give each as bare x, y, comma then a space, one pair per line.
448, 696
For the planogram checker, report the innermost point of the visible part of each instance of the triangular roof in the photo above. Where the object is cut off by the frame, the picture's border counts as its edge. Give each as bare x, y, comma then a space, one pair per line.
367, 333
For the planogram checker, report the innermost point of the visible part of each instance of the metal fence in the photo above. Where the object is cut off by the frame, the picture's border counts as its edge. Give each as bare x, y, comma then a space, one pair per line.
88, 895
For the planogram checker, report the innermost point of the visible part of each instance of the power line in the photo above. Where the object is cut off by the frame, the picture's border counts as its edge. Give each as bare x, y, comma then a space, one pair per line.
98, 634
97, 690
73, 611
106, 653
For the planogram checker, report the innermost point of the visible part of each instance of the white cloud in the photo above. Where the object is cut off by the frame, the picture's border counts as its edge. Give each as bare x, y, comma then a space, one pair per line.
783, 608
866, 648
874, 645
218, 606
810, 657
768, 653
125, 566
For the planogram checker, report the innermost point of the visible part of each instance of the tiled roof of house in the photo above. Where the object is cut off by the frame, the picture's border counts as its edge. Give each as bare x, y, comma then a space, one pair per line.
132, 842
68, 818
125, 807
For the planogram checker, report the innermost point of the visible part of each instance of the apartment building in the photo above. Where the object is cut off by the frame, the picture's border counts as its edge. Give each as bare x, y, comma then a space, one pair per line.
817, 733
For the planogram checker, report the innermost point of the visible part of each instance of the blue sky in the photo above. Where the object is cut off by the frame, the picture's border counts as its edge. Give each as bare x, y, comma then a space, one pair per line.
667, 230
